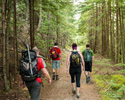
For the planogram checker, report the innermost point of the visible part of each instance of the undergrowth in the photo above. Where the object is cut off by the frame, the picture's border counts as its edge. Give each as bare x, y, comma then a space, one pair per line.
110, 86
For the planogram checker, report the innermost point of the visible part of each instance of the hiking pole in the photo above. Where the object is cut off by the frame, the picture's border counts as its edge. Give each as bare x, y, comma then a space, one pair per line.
29, 60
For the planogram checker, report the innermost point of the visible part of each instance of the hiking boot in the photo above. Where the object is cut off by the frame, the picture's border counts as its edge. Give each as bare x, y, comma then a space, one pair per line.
57, 77
53, 78
87, 79
78, 95
73, 91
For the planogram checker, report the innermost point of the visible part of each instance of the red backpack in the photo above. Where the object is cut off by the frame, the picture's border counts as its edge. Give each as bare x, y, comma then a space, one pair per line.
54, 54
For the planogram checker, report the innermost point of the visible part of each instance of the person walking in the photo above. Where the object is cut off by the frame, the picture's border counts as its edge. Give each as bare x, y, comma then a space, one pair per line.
33, 84
55, 55
75, 59
89, 61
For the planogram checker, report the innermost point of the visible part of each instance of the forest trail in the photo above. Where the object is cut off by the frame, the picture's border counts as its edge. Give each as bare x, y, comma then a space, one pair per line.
61, 89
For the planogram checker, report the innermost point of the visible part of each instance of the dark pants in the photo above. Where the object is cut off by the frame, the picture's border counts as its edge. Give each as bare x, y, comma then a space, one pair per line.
75, 72
34, 89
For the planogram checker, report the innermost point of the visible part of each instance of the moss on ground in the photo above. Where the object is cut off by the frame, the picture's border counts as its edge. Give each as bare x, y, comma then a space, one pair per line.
110, 86
120, 65
122, 71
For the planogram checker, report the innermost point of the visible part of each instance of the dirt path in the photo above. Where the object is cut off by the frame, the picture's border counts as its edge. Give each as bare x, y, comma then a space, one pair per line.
61, 89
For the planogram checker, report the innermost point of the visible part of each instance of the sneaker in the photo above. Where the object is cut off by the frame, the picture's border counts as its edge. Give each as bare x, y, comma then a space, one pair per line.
57, 77
73, 91
78, 95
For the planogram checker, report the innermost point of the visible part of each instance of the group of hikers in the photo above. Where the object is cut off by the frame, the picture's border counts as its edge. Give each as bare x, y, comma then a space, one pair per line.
32, 64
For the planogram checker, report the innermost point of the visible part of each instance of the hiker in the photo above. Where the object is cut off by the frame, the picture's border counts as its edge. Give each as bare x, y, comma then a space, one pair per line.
89, 61
55, 55
33, 83
75, 59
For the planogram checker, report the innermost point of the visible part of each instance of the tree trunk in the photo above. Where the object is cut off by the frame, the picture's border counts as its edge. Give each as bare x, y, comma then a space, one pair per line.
123, 37
107, 28
110, 21
31, 23
15, 42
6, 86
33, 34
48, 35
121, 34
96, 33
57, 30
103, 29
40, 17
113, 36
7, 36
117, 32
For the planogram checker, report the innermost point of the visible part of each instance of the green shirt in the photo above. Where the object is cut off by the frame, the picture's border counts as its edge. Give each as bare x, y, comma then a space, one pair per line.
91, 52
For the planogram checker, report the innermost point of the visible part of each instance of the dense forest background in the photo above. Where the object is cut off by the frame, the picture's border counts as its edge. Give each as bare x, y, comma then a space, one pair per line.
42, 22
35, 22
104, 23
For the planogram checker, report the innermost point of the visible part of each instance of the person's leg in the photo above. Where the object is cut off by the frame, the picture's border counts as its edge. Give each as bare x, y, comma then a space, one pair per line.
29, 86
35, 92
89, 74
72, 80
57, 69
78, 76
74, 86
53, 69
90, 70
87, 71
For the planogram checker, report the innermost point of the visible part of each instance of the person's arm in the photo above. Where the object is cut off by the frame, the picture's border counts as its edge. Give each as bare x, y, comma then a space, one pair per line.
93, 63
67, 62
60, 58
43, 62
45, 72
20, 81
92, 58
50, 56
82, 60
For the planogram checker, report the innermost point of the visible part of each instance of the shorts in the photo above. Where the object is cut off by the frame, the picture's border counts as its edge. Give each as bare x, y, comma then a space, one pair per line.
56, 64
88, 66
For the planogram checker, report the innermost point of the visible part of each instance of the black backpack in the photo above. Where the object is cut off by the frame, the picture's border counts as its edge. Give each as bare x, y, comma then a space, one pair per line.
75, 59
54, 54
30, 73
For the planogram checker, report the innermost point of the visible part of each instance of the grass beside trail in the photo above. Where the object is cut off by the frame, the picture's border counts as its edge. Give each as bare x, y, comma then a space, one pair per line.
109, 79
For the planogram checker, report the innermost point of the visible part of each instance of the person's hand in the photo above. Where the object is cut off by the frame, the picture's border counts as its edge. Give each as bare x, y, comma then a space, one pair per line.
49, 81
67, 70
50, 62
93, 64
21, 85
61, 63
